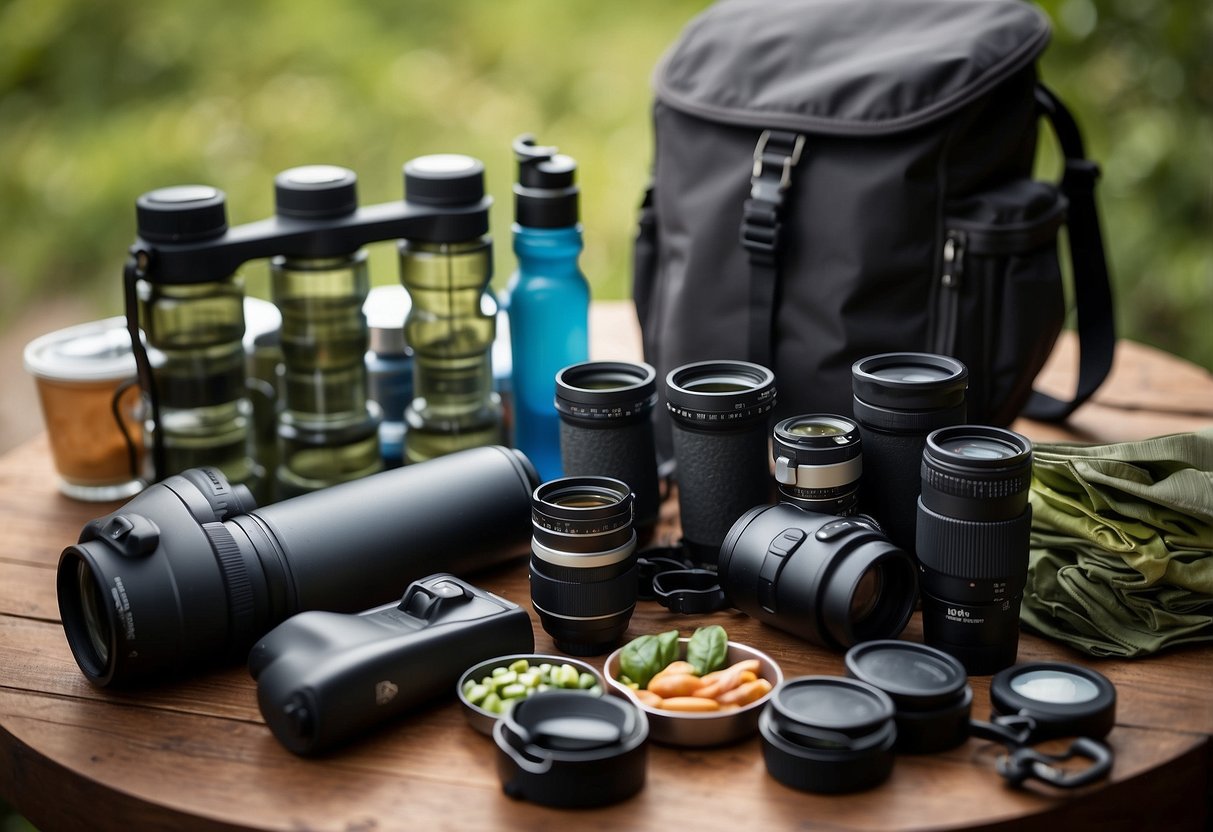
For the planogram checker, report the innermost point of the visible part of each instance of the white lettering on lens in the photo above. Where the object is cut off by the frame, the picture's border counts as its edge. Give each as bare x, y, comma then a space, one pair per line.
952, 611
122, 606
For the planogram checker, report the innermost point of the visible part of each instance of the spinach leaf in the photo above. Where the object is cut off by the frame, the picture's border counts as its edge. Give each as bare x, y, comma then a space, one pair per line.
708, 649
642, 658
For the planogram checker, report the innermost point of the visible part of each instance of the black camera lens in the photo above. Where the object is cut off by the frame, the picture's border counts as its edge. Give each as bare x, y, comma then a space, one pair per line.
973, 526
929, 689
828, 735
583, 562
833, 581
899, 398
190, 572
720, 412
606, 427
818, 462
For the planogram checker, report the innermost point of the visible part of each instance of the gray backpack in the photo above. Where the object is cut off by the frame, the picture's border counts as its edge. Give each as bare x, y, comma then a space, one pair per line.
838, 178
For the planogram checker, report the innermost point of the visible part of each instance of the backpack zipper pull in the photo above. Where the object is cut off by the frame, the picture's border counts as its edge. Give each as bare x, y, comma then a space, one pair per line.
953, 259
949, 298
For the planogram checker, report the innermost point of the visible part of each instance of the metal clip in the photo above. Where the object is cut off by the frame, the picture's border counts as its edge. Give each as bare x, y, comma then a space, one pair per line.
789, 162
1029, 764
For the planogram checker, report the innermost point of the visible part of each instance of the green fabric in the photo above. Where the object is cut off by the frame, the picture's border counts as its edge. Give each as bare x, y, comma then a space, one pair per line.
1122, 544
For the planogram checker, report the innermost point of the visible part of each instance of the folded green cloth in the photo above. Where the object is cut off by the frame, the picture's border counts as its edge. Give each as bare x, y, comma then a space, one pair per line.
1122, 544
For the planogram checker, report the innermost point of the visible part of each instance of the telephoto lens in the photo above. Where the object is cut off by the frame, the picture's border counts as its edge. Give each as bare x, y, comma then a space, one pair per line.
818, 463
900, 397
720, 412
583, 562
973, 526
188, 574
606, 428
834, 581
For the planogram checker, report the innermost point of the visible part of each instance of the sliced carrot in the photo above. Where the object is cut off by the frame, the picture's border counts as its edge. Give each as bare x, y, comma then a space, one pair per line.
690, 704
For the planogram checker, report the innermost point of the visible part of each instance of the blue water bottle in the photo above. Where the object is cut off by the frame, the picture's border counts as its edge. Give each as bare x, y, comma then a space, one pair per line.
548, 297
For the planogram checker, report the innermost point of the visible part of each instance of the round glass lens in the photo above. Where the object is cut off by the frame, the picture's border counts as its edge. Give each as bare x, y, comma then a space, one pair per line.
830, 706
911, 372
1054, 686
717, 384
93, 605
583, 500
816, 429
971, 447
867, 595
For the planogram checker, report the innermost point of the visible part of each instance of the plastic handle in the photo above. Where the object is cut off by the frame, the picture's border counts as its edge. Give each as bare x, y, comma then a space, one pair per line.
505, 741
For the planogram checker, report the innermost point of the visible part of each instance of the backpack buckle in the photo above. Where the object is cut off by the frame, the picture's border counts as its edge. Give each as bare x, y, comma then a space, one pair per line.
789, 161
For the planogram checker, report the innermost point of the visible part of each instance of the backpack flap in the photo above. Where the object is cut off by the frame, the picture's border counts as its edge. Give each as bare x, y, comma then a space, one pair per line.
885, 113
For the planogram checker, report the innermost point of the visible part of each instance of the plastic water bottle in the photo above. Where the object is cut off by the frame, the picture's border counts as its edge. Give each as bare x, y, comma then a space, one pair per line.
548, 298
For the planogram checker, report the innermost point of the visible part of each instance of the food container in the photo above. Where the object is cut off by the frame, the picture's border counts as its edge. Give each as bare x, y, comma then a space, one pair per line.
705, 729
483, 720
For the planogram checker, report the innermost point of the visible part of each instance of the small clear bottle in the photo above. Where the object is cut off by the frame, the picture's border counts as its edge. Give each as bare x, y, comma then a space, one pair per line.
452, 322
389, 367
548, 298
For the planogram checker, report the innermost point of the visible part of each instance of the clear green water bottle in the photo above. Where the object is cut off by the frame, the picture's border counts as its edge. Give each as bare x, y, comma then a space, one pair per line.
328, 431
452, 322
194, 332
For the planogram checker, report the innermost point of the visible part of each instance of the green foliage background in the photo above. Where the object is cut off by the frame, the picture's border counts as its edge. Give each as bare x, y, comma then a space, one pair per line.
102, 101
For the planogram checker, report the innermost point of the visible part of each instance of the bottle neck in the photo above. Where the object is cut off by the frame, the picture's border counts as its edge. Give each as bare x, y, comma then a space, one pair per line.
548, 243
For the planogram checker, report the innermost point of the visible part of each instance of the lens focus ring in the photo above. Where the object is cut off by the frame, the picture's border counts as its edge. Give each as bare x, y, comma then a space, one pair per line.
972, 549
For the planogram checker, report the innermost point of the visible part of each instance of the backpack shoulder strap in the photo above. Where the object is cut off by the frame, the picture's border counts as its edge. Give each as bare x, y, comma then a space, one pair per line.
1092, 288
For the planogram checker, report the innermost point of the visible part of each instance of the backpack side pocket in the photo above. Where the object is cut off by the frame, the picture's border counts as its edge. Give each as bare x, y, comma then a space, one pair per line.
1000, 303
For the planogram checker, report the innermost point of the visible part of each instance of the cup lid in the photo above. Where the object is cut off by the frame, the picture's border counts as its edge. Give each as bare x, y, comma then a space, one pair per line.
95, 351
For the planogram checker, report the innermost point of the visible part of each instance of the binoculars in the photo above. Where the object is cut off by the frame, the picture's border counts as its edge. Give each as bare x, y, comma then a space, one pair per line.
185, 315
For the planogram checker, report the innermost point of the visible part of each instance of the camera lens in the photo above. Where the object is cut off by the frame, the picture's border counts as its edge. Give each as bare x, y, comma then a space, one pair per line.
1063, 700
606, 427
833, 581
973, 526
899, 398
93, 620
583, 562
121, 589
818, 462
720, 412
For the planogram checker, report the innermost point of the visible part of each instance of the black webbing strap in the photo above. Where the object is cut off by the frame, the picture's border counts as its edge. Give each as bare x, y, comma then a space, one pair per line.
1092, 289
775, 156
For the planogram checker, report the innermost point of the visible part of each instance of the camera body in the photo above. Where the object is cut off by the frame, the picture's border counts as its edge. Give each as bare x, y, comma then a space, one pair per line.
325, 677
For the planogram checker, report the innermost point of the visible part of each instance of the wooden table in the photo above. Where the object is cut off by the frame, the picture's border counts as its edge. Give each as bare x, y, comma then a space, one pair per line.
195, 754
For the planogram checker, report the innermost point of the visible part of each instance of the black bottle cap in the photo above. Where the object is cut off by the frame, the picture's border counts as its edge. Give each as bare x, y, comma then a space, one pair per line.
546, 195
315, 192
444, 179
181, 213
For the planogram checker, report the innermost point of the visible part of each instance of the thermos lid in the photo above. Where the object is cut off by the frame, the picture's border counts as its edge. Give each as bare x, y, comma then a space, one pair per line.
386, 308
316, 192
181, 213
95, 351
444, 179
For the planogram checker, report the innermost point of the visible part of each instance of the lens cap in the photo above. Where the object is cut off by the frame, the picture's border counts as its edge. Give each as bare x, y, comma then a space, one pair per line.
315, 192
444, 179
1064, 700
928, 687
569, 749
827, 734
182, 213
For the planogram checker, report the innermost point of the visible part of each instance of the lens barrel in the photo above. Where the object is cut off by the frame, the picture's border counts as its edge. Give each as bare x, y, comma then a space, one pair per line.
189, 573
899, 398
583, 562
606, 427
720, 414
834, 581
974, 522
818, 462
